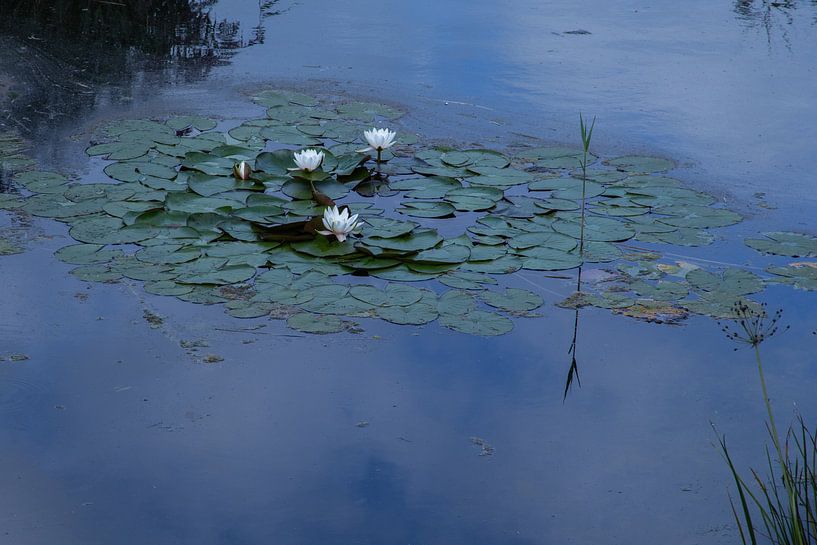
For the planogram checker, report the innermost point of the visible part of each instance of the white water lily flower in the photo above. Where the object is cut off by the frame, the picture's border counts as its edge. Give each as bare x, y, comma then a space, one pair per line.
339, 223
378, 140
242, 171
308, 160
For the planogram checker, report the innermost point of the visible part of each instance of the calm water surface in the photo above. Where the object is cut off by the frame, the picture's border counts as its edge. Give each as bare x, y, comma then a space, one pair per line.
112, 433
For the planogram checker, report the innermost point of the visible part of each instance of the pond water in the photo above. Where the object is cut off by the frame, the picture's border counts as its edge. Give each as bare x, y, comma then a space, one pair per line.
114, 430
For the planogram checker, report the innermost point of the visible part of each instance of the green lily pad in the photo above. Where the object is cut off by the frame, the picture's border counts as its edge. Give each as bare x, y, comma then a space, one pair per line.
368, 111
419, 313
402, 273
733, 281
388, 228
231, 274
191, 121
641, 163
478, 322
321, 324
800, 275
596, 229
662, 291
41, 182
426, 209
86, 254
417, 240
785, 243
698, 217
322, 246
466, 280
512, 300
108, 230
299, 189
168, 287
96, 273
456, 302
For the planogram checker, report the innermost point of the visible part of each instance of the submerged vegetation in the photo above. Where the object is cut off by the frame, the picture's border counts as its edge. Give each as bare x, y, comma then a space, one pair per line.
234, 216
786, 499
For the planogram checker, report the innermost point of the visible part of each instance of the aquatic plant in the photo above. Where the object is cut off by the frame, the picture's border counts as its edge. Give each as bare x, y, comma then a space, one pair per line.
242, 170
378, 140
789, 516
587, 135
339, 223
307, 160
174, 215
573, 370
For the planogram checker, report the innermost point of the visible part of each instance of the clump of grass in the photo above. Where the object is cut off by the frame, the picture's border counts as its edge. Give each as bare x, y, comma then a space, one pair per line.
782, 506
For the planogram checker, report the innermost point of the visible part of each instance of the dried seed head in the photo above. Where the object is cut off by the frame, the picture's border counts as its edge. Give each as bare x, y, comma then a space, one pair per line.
752, 326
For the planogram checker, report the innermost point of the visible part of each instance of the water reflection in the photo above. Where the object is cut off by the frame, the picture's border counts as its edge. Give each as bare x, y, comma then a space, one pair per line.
774, 16
61, 58
573, 370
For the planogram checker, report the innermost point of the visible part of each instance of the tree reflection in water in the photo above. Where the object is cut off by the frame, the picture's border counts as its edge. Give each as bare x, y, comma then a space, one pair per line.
60, 57
774, 16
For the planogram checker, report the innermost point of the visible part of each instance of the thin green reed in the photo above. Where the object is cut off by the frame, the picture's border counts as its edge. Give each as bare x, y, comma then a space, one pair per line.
587, 135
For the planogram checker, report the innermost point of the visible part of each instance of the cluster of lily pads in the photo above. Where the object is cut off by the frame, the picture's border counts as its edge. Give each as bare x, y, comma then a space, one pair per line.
178, 215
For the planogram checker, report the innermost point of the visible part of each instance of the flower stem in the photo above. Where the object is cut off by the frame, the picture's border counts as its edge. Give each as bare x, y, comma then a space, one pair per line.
788, 478
768, 403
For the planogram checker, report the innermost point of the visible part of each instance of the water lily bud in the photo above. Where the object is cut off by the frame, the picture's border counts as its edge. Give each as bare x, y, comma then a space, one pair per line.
242, 171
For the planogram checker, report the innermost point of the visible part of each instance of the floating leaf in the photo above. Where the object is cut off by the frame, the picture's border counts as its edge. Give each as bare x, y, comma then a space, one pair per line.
698, 217
456, 302
640, 163
419, 313
512, 300
419, 239
308, 322
426, 209
800, 275
86, 254
466, 280
231, 274
662, 291
785, 243
478, 322
733, 281
41, 182
596, 229
367, 111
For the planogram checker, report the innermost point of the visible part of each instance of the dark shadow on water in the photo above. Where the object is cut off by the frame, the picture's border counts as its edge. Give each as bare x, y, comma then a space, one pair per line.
775, 17
60, 58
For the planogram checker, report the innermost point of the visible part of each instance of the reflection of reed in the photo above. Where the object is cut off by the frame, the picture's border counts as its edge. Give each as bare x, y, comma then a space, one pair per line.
773, 16
573, 371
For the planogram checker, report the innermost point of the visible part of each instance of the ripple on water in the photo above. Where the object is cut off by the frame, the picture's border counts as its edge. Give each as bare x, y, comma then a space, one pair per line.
16, 395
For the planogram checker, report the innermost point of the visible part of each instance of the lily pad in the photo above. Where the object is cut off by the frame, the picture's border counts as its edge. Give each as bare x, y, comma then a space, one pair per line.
785, 243
641, 163
478, 322
308, 322
512, 300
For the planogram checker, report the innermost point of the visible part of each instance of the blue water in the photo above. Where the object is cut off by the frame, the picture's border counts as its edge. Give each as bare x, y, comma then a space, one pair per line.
113, 433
